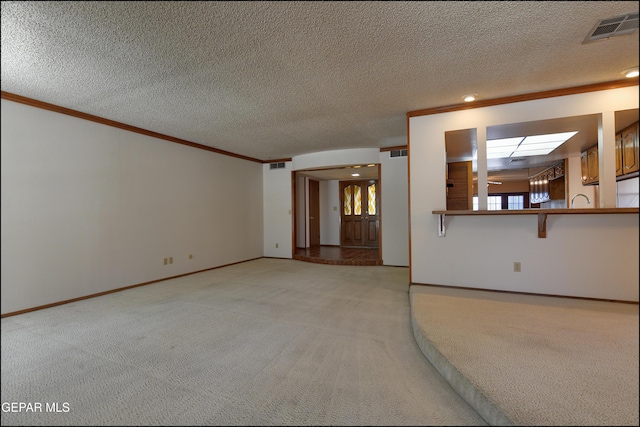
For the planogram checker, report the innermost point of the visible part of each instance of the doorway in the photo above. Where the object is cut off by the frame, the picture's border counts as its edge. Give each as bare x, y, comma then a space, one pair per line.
318, 215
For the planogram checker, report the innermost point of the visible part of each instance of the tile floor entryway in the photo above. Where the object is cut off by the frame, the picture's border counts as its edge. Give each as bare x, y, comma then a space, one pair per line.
337, 255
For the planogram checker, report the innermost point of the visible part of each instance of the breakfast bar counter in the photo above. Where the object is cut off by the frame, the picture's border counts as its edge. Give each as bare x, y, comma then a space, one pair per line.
542, 215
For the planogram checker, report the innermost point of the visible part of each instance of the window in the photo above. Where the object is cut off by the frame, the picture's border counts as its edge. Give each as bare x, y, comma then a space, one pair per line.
398, 153
347, 200
515, 202
499, 202
371, 188
494, 203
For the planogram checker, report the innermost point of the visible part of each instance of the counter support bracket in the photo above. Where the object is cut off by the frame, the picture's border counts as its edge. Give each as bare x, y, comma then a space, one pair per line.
441, 229
542, 225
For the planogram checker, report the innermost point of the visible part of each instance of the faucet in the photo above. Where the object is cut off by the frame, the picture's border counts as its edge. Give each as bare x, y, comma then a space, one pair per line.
579, 194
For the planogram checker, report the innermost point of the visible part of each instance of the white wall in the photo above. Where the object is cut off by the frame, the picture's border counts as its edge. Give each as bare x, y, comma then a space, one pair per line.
302, 232
594, 256
395, 210
277, 216
353, 156
329, 213
575, 186
628, 193
88, 208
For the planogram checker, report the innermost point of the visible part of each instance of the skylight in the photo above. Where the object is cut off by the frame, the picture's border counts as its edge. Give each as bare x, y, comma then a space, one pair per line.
535, 145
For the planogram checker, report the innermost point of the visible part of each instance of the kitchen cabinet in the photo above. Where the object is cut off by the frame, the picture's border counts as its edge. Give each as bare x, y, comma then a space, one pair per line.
627, 157
630, 149
589, 164
619, 150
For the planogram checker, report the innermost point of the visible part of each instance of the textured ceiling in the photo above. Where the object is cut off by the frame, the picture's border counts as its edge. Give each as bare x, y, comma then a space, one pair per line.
271, 80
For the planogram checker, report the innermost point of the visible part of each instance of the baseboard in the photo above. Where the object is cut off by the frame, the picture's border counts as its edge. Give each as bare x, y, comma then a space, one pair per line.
99, 294
523, 293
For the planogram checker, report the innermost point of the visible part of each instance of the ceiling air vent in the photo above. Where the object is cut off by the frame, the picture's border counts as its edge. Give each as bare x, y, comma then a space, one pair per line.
398, 153
618, 26
279, 165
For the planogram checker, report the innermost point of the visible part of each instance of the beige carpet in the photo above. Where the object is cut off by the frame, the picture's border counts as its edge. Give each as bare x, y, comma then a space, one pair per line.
533, 360
265, 342
283, 342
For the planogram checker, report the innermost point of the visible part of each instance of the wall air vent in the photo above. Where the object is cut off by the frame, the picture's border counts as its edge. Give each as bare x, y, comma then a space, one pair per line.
398, 153
516, 160
279, 165
618, 26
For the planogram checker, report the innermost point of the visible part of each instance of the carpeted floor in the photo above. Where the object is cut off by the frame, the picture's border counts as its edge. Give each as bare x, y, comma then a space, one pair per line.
266, 342
284, 342
533, 360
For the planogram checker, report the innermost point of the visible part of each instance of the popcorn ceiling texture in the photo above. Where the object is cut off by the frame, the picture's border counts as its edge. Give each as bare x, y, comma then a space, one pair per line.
276, 79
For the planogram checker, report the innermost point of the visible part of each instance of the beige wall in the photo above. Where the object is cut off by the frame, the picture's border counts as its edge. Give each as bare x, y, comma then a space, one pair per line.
505, 187
88, 208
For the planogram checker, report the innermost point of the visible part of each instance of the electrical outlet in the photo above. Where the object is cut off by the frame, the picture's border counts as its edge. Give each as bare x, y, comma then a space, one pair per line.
276, 245
517, 267
166, 261
190, 256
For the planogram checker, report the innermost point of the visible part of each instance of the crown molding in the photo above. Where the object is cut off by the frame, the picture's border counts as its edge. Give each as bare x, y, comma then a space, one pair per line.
526, 97
62, 110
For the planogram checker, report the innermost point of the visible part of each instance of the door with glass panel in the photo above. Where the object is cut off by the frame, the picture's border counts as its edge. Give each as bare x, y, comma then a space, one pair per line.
360, 223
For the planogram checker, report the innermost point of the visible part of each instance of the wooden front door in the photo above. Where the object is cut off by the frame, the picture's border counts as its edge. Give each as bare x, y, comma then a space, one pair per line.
360, 216
314, 213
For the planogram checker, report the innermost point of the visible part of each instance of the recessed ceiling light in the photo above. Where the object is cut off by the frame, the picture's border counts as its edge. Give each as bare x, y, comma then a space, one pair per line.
631, 72
470, 97
355, 174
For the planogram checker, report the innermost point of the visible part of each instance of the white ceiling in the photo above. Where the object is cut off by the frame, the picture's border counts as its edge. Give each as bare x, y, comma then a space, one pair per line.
364, 172
272, 80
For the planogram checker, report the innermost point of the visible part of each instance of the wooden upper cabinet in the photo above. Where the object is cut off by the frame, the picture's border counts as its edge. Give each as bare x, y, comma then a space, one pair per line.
584, 167
619, 151
589, 166
592, 164
630, 149
627, 157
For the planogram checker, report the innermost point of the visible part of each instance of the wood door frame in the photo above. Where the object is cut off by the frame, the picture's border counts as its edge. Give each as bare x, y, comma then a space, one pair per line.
314, 209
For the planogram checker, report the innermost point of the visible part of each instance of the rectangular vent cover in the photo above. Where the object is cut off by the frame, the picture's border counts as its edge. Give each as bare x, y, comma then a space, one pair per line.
618, 26
398, 153
279, 165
